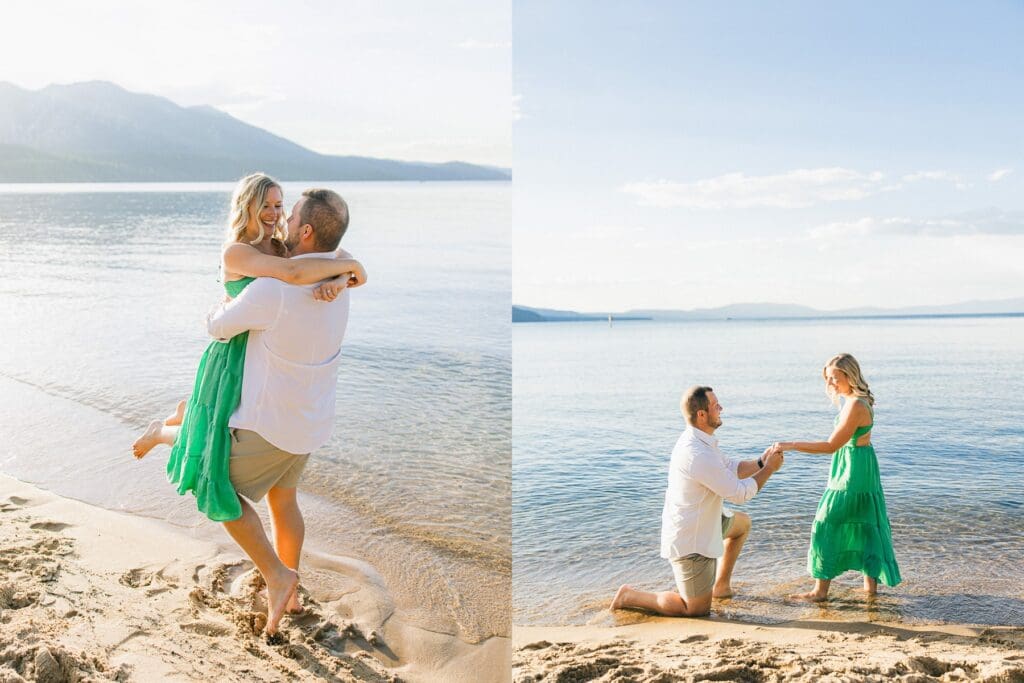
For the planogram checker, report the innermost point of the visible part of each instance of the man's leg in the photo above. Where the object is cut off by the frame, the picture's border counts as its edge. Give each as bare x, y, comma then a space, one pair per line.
281, 581
289, 532
669, 603
733, 541
694, 574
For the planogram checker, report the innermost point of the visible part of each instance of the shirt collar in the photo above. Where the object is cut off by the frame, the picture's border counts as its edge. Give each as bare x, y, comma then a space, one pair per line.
703, 436
315, 254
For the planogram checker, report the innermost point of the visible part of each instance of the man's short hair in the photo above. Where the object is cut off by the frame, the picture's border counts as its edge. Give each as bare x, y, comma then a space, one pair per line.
695, 398
327, 212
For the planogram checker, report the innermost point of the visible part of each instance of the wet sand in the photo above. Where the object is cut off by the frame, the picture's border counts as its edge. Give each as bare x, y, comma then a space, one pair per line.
92, 594
663, 650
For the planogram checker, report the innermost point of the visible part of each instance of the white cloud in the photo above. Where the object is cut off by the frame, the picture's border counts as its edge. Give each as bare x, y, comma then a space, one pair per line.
795, 189
998, 175
991, 222
918, 176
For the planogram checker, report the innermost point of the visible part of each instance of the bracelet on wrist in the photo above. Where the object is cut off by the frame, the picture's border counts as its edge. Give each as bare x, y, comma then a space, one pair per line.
760, 463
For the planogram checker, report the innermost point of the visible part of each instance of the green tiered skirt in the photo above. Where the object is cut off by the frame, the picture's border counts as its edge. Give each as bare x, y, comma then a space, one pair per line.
200, 458
851, 528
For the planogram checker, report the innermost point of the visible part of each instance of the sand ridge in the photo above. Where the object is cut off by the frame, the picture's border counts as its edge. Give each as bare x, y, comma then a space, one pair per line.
93, 595
665, 650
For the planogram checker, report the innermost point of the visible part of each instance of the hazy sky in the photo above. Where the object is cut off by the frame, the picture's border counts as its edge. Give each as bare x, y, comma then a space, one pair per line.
682, 155
399, 79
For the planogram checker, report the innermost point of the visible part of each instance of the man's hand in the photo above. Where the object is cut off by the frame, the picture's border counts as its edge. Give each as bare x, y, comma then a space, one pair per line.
329, 291
774, 460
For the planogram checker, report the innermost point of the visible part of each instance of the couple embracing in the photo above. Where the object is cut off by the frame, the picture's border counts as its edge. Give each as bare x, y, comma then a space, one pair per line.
264, 395
702, 541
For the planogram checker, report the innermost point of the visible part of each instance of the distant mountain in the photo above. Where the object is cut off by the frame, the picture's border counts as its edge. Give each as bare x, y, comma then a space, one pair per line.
768, 311
98, 131
523, 314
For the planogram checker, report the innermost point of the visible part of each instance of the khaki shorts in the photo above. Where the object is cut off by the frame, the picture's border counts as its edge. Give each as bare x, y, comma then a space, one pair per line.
258, 466
695, 574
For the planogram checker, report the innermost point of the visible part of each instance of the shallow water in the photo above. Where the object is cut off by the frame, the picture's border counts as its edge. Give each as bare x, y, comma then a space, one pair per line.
596, 415
102, 298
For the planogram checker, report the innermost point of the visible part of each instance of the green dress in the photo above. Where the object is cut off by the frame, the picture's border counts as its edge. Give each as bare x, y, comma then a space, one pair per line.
200, 457
851, 528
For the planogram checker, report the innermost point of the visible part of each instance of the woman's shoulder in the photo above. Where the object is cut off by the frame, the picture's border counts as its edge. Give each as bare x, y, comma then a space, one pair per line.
860, 411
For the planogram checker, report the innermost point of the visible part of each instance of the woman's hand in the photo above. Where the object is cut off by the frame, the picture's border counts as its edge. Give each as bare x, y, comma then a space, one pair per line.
329, 291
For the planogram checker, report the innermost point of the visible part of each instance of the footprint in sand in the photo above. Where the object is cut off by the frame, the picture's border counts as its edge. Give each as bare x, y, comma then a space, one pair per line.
206, 628
136, 578
13, 503
50, 526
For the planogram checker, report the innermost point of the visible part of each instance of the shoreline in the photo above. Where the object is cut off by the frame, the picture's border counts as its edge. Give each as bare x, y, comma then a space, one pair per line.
667, 649
92, 592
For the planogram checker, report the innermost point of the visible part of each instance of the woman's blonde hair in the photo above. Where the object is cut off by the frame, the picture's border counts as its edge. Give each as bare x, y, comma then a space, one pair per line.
246, 202
849, 366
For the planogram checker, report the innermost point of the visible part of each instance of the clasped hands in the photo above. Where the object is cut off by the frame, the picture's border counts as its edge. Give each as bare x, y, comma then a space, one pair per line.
773, 457
329, 290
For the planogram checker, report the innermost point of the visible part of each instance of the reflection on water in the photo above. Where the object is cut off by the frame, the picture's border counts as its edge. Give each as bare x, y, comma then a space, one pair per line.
102, 298
596, 416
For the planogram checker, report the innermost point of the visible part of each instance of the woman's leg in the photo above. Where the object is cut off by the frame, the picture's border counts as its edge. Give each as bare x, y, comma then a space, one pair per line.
870, 585
156, 433
177, 416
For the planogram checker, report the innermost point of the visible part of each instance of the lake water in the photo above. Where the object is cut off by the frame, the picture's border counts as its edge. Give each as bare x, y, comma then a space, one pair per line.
103, 294
595, 414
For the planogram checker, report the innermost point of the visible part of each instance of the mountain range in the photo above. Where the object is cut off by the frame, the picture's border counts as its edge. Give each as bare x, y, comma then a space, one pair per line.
98, 131
763, 311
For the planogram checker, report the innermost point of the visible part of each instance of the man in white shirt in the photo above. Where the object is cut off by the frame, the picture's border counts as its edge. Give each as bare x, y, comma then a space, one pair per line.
694, 530
288, 396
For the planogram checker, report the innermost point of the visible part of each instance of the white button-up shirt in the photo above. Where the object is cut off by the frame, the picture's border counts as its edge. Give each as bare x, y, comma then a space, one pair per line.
291, 360
699, 477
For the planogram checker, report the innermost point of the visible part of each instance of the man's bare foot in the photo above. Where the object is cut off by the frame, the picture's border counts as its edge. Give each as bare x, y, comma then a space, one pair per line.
810, 596
279, 591
294, 604
177, 416
151, 437
620, 597
721, 592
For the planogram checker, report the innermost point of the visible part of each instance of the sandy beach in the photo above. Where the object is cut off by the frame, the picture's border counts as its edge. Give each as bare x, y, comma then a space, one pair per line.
88, 594
663, 650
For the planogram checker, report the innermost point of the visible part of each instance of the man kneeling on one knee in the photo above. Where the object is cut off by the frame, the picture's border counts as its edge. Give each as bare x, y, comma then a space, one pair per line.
695, 530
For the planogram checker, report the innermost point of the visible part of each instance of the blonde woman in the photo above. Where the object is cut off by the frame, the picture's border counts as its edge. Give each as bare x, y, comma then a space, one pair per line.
198, 431
851, 528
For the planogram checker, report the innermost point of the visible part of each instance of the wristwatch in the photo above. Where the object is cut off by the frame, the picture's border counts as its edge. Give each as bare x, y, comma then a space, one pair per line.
760, 463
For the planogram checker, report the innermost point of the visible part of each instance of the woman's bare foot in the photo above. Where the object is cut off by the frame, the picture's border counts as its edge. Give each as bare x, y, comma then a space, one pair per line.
177, 417
620, 597
870, 586
810, 596
151, 437
279, 591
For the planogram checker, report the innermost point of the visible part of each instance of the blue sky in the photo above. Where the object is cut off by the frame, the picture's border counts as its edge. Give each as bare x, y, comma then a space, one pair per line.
679, 155
400, 79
